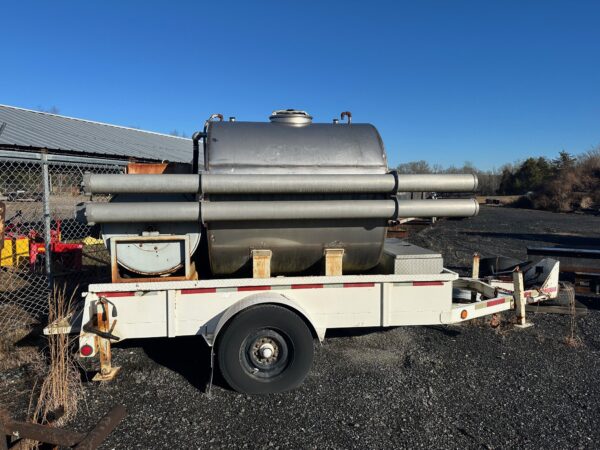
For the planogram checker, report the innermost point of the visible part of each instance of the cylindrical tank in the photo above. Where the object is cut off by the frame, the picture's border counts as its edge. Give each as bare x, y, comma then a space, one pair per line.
291, 144
288, 185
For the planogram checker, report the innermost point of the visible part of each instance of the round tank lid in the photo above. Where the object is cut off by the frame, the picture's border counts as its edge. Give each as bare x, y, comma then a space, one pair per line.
291, 116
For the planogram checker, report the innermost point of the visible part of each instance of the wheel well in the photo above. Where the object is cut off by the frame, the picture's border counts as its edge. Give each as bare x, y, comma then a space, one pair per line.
310, 326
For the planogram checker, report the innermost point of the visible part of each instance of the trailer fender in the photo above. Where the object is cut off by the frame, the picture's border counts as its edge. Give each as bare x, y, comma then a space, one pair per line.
259, 299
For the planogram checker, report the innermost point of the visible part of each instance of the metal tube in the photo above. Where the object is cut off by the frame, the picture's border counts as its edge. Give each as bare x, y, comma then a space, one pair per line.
437, 183
298, 210
276, 210
278, 184
139, 212
296, 184
140, 183
448, 207
47, 219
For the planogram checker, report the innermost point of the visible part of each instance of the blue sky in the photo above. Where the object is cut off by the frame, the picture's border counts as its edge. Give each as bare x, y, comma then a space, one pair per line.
446, 81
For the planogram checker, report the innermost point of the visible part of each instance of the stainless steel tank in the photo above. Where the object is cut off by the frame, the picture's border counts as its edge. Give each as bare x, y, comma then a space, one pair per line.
291, 144
289, 185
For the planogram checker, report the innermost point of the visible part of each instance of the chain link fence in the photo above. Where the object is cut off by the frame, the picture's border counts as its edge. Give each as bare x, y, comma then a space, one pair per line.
44, 246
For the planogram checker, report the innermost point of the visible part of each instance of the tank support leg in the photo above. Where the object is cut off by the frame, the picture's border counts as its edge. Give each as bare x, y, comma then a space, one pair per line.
333, 261
475, 273
107, 371
520, 300
261, 263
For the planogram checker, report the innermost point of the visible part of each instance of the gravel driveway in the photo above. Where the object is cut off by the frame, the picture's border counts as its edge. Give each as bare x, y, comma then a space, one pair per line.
441, 386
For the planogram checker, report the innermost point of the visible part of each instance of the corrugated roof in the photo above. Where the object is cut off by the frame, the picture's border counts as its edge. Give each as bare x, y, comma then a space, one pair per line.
27, 128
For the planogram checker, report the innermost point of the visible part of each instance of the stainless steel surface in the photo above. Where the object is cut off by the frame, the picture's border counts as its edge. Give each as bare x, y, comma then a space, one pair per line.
27, 128
297, 246
209, 183
276, 210
141, 212
145, 184
400, 257
298, 210
278, 148
297, 184
447, 207
291, 117
437, 183
290, 186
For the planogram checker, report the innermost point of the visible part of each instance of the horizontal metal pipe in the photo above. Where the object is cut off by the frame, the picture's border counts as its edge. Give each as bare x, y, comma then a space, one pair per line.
297, 184
446, 182
138, 183
139, 212
447, 207
277, 210
278, 184
298, 210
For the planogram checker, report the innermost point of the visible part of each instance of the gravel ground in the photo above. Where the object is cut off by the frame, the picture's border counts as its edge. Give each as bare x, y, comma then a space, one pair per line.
441, 386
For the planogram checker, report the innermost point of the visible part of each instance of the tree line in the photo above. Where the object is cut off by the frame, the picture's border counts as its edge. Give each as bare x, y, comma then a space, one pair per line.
563, 183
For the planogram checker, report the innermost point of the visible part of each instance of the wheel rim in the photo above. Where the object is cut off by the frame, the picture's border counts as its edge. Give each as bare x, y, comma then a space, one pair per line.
265, 353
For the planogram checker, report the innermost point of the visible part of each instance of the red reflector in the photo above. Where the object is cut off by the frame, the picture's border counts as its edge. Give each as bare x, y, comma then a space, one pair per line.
86, 350
428, 283
115, 294
494, 302
200, 291
307, 286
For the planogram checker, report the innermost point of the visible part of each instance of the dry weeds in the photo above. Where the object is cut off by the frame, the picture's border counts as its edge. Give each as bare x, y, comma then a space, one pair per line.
60, 389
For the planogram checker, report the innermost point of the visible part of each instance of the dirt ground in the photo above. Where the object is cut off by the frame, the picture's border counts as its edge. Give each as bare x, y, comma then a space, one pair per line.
411, 387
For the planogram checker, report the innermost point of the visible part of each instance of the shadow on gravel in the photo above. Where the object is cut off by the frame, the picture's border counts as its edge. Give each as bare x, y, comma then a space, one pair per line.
189, 356
350, 332
566, 240
450, 332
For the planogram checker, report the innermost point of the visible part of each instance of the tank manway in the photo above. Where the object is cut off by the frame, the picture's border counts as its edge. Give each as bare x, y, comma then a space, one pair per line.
277, 184
274, 210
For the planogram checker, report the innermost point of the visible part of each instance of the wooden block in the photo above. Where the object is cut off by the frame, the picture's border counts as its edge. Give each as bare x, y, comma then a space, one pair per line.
261, 263
333, 261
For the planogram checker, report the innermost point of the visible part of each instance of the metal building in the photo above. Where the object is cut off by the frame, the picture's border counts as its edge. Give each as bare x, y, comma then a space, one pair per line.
43, 158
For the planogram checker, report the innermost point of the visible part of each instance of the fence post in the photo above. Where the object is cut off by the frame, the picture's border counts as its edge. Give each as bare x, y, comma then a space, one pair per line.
47, 218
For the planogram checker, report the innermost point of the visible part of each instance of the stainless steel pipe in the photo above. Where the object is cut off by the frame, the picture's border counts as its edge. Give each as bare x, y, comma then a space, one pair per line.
275, 210
278, 184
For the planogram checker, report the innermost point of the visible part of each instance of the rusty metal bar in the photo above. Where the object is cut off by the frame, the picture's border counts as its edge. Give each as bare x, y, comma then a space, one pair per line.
103, 428
42, 433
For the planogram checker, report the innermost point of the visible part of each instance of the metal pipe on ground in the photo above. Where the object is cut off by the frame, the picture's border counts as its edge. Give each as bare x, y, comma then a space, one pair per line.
278, 184
274, 210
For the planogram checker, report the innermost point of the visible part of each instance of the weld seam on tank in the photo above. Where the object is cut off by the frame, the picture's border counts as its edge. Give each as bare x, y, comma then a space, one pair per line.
276, 210
278, 184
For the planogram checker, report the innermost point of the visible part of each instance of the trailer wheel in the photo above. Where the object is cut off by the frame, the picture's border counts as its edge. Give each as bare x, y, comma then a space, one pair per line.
265, 349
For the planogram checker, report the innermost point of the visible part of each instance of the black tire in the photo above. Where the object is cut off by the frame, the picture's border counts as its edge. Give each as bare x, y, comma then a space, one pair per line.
244, 347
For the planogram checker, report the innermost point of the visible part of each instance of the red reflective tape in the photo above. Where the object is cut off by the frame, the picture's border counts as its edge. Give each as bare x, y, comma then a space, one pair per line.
307, 286
550, 289
199, 291
352, 285
115, 294
497, 301
254, 288
428, 283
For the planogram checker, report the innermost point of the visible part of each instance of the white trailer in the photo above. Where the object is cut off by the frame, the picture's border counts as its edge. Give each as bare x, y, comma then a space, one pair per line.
263, 329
